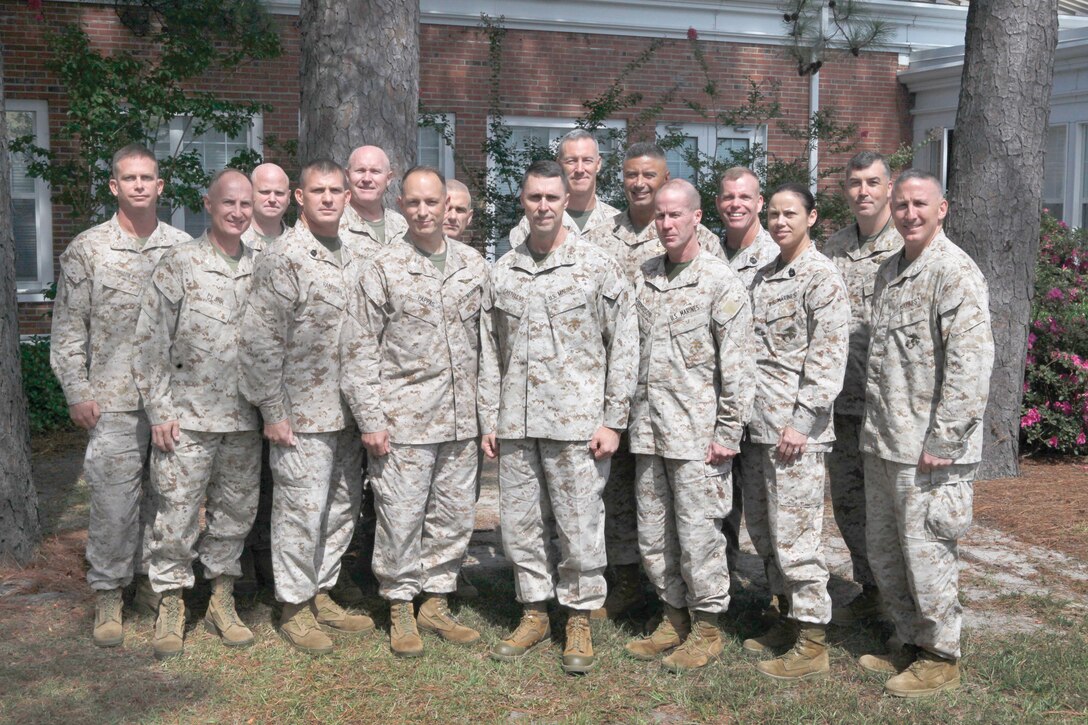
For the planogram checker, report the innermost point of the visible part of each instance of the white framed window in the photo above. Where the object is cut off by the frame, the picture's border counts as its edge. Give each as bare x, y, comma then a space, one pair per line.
215, 148
718, 142
32, 223
433, 148
526, 131
1054, 167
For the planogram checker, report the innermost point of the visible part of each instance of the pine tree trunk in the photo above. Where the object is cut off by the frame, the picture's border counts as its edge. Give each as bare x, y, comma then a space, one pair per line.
20, 529
995, 194
359, 79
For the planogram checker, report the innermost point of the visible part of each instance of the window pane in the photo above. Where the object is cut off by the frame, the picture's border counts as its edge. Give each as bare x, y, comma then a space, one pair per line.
677, 159
428, 151
1054, 171
728, 148
25, 228
20, 123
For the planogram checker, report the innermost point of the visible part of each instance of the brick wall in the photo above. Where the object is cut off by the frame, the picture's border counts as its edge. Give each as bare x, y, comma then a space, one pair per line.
544, 74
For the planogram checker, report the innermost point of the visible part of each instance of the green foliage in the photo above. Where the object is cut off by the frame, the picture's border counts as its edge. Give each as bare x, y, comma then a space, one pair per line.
1054, 414
46, 406
130, 97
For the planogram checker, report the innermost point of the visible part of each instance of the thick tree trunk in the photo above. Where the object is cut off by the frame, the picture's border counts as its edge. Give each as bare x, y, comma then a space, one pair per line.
996, 188
20, 529
359, 79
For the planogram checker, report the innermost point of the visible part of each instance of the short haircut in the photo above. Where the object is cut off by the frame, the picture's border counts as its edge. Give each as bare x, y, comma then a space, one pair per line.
691, 194
415, 170
220, 174
865, 159
578, 134
547, 169
321, 166
734, 173
132, 151
792, 187
644, 148
920, 175
453, 185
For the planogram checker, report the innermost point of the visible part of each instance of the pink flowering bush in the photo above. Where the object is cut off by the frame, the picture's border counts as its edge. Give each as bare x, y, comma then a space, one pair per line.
1055, 410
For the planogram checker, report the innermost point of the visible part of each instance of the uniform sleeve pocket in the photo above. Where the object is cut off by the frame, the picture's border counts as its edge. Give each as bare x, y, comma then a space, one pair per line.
950, 509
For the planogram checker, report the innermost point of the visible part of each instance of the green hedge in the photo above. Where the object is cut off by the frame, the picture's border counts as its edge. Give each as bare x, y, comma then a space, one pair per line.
45, 400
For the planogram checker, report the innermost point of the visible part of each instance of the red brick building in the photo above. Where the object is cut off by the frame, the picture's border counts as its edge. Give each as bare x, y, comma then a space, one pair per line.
555, 55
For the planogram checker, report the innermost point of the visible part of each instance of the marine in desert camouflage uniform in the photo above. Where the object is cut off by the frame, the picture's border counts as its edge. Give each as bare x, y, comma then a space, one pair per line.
103, 273
559, 356
857, 250
927, 382
291, 371
693, 397
367, 225
410, 367
204, 433
631, 238
801, 318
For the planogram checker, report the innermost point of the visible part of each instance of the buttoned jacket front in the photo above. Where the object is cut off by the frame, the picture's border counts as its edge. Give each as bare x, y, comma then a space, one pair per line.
930, 358
801, 318
290, 348
858, 264
186, 365
411, 349
695, 371
559, 344
103, 274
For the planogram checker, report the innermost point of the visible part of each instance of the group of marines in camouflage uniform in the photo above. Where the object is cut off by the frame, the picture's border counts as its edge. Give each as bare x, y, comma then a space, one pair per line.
640, 381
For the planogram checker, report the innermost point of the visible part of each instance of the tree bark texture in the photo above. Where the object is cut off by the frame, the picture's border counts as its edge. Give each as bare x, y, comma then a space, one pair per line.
20, 529
359, 80
996, 189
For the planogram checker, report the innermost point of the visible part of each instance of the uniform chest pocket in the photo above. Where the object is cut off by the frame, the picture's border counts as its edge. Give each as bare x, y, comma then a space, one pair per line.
327, 294
123, 284
422, 310
645, 317
782, 324
469, 305
909, 328
692, 336
510, 304
570, 318
207, 325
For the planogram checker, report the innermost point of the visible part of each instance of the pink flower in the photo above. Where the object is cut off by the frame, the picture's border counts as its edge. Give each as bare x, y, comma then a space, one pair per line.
1063, 407
1053, 442
1055, 294
693, 34
1081, 439
1031, 340
1030, 360
1030, 418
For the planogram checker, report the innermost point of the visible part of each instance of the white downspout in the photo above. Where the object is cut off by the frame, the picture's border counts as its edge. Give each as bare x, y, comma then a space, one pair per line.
814, 108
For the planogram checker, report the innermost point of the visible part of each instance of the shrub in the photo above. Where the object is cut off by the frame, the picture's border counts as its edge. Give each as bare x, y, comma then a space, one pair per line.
46, 406
1054, 416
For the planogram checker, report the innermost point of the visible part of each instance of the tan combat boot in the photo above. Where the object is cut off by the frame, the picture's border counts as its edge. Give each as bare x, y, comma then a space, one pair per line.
670, 633
781, 635
578, 656
300, 630
404, 638
145, 602
107, 618
807, 660
624, 594
533, 631
330, 614
435, 616
703, 645
222, 618
928, 675
863, 608
890, 663
169, 639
